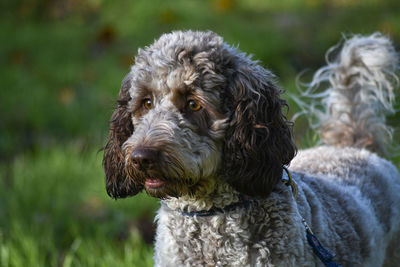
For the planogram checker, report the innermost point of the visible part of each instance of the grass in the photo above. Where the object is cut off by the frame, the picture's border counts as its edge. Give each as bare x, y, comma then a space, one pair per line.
54, 212
61, 65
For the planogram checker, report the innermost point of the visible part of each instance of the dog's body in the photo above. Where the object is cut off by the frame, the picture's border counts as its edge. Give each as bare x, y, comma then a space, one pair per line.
200, 126
348, 199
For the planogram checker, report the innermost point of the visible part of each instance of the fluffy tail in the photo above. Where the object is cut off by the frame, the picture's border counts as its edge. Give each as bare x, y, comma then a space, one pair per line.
361, 82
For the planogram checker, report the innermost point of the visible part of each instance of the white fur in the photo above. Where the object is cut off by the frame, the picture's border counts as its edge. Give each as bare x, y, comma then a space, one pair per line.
360, 85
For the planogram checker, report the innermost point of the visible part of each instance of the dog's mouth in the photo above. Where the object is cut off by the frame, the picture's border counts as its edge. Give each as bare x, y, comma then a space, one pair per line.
154, 183
162, 180
161, 187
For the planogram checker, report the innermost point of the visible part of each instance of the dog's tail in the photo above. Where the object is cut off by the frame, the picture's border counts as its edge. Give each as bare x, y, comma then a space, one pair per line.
361, 82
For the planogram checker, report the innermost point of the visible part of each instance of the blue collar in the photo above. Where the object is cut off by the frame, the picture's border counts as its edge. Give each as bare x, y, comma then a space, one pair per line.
243, 200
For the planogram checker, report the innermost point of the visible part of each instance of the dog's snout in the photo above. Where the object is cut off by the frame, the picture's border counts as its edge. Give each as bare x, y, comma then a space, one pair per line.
144, 158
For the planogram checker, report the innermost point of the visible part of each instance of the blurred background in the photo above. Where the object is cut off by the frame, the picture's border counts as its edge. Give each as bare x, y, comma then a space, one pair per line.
61, 66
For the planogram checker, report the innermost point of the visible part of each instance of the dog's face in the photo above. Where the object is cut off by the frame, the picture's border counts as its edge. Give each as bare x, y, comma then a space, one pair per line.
179, 127
193, 112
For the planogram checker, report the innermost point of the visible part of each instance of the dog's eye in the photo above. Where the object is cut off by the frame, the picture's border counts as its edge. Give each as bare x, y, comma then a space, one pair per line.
147, 103
193, 105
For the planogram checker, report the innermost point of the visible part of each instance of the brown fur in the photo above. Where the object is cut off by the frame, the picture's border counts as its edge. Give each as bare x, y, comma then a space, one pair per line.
117, 182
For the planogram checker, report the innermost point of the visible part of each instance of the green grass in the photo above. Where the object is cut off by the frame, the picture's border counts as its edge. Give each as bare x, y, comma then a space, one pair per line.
54, 212
61, 65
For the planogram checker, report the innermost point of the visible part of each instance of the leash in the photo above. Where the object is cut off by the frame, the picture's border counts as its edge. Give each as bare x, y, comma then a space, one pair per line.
322, 253
319, 250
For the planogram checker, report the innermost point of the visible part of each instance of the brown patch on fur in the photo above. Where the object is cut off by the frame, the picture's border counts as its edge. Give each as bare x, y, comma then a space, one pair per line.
179, 99
349, 135
201, 118
141, 93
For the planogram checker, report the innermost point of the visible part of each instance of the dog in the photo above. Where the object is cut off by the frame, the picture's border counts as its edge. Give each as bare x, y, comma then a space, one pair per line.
202, 126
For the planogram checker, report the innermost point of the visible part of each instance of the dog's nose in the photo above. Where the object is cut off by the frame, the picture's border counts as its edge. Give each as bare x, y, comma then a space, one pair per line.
144, 158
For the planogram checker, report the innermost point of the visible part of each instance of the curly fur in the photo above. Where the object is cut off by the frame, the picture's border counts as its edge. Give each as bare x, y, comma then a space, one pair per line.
235, 143
361, 81
258, 131
118, 183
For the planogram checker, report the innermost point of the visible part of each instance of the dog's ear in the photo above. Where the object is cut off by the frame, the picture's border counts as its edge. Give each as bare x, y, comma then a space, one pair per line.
118, 184
259, 138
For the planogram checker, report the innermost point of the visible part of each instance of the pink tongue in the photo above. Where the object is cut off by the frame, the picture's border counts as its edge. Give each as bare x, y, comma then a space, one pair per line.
153, 183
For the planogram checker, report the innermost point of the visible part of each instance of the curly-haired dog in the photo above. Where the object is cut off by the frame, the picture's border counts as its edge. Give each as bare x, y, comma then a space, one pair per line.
200, 125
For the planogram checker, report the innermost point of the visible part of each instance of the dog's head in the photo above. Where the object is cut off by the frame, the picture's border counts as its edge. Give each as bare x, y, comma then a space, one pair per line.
194, 111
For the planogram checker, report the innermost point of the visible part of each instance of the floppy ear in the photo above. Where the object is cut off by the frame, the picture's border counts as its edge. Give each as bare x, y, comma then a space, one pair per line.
118, 184
259, 138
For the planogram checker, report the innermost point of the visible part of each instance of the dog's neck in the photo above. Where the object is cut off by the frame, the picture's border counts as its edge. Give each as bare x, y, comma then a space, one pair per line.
221, 196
